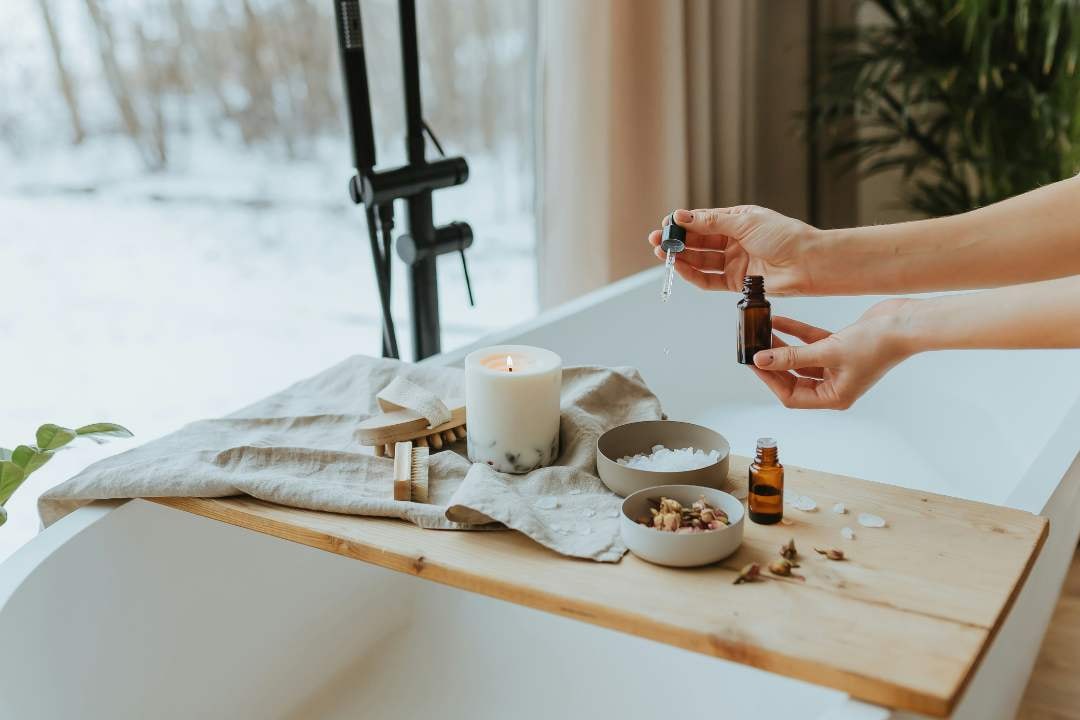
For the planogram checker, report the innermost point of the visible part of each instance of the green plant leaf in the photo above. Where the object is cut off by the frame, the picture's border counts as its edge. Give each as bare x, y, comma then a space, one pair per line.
54, 437
104, 429
11, 477
30, 458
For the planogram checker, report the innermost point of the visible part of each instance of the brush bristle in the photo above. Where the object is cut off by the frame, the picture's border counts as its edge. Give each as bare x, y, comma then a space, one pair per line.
418, 474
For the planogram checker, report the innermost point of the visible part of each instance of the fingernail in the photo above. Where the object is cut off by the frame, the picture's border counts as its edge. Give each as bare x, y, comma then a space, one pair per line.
763, 359
684, 216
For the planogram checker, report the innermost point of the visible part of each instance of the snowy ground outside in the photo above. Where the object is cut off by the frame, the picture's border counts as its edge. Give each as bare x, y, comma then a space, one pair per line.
156, 299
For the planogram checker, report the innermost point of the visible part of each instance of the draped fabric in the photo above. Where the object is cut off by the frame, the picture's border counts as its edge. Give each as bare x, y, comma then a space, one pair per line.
651, 105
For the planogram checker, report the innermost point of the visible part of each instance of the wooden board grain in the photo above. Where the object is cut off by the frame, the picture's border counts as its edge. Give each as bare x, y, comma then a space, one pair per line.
903, 623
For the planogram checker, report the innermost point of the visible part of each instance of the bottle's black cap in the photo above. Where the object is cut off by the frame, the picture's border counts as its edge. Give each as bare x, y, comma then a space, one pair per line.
673, 238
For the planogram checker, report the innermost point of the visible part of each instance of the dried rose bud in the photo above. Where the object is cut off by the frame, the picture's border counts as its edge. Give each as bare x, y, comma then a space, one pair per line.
700, 505
671, 521
780, 567
716, 525
788, 551
749, 573
707, 516
831, 553
667, 505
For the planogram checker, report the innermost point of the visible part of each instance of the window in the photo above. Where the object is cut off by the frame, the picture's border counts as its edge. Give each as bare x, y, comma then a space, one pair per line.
178, 239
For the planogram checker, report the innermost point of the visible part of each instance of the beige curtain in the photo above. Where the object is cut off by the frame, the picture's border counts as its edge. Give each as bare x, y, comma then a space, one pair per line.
650, 105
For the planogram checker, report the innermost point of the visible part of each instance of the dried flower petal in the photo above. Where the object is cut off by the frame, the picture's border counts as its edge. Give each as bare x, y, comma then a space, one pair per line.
831, 553
871, 521
780, 567
788, 551
749, 573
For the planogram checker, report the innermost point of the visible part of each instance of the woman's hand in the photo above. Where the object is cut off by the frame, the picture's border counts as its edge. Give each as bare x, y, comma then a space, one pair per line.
834, 369
725, 244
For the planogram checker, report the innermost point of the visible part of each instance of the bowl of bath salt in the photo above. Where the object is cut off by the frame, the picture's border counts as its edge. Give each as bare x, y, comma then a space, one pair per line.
644, 454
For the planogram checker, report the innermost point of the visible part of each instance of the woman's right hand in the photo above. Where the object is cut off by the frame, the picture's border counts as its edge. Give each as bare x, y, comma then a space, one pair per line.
725, 244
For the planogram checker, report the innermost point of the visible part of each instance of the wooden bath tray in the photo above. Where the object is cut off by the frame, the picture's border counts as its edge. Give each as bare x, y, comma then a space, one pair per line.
902, 624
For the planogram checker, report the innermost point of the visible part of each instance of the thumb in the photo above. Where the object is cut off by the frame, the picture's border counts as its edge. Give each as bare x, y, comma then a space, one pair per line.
715, 221
794, 357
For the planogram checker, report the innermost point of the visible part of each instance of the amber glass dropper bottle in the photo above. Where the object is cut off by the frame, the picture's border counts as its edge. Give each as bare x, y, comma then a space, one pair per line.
766, 498
755, 319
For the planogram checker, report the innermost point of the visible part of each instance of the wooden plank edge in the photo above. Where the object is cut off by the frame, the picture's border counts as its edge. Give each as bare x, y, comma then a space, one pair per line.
1014, 593
863, 687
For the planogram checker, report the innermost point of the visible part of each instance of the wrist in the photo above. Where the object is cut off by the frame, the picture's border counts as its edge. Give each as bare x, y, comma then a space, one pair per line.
835, 262
911, 329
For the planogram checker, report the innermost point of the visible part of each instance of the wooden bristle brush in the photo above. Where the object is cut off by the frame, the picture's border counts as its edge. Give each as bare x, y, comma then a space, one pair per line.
410, 472
385, 429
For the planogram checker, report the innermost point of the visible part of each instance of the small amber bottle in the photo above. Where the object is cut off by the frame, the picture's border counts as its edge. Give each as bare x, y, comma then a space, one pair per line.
755, 319
766, 499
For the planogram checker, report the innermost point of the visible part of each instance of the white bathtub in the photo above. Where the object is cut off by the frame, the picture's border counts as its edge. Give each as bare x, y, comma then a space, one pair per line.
132, 610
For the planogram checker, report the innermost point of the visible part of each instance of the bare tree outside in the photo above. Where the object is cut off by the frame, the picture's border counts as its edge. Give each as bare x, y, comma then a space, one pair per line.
178, 238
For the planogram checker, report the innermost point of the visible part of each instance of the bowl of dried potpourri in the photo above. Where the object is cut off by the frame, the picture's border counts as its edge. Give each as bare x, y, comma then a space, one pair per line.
682, 525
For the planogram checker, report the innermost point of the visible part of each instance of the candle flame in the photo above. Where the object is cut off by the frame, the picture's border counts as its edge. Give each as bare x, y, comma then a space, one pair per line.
509, 364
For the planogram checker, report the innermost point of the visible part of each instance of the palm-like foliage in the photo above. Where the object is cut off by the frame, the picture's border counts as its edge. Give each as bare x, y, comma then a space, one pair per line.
975, 100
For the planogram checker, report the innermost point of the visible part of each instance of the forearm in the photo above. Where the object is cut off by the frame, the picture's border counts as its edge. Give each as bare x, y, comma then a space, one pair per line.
1031, 237
1038, 315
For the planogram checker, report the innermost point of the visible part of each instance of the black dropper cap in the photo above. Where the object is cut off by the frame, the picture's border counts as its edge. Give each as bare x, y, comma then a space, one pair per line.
673, 238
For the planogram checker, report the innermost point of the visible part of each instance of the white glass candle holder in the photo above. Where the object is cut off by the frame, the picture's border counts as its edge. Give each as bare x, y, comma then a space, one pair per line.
512, 407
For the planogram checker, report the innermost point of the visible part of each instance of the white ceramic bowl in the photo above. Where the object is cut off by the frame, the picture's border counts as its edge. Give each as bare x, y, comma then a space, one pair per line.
687, 549
640, 437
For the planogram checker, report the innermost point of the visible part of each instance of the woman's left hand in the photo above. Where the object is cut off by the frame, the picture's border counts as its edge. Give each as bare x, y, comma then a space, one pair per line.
832, 370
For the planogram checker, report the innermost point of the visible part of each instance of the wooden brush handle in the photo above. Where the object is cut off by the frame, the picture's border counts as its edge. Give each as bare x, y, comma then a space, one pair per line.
398, 425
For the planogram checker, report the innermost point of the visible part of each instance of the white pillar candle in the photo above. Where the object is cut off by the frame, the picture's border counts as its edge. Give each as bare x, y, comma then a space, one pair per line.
512, 407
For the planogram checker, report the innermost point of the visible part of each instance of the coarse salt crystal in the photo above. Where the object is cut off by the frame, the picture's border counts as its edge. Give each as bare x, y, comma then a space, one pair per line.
806, 504
588, 512
547, 503
575, 491
871, 521
839, 508
848, 533
586, 530
663, 459
785, 521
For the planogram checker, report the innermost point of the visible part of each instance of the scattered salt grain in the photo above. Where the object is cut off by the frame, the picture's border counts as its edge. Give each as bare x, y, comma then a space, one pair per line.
574, 491
586, 530
663, 459
839, 508
588, 512
806, 504
613, 513
871, 521
556, 527
547, 503
848, 533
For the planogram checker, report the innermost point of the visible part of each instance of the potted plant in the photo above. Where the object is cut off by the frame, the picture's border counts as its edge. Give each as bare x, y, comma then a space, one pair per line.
17, 465
974, 101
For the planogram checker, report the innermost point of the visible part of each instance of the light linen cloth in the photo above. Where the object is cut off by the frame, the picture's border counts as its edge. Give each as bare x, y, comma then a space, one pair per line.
297, 448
